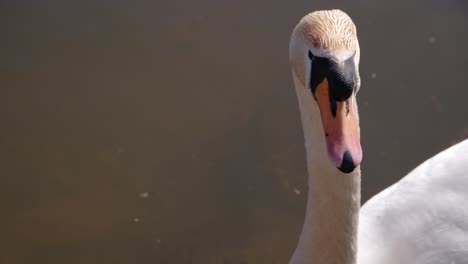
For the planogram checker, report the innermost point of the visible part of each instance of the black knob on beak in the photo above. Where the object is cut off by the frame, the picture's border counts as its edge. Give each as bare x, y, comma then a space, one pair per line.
341, 88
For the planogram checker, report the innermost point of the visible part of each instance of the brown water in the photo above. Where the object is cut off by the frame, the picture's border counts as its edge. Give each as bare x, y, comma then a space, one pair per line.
168, 131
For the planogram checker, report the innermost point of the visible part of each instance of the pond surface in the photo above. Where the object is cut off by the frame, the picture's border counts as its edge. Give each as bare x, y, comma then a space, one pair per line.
168, 131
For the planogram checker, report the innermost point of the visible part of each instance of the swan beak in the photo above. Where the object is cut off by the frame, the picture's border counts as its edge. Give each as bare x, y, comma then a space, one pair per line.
340, 126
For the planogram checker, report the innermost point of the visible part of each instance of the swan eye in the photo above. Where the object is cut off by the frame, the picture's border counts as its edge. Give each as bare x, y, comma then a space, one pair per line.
311, 56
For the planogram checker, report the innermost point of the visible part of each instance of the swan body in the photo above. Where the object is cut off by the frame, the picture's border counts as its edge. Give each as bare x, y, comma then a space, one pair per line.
422, 219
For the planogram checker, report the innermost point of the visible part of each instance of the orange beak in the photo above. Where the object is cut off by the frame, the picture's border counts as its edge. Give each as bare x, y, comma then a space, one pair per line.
341, 129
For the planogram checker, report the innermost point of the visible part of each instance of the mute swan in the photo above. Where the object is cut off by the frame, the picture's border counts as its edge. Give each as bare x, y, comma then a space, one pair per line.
423, 218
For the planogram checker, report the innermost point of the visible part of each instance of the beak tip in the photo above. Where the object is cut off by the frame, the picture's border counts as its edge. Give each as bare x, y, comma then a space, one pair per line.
347, 163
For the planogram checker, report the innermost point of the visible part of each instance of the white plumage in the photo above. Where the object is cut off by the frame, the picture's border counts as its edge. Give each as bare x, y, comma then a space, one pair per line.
422, 219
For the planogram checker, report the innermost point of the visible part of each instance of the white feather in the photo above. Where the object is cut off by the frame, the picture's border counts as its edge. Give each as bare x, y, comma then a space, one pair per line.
423, 218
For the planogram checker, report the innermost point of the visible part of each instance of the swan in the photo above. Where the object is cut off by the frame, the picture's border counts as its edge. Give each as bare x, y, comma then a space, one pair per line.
423, 218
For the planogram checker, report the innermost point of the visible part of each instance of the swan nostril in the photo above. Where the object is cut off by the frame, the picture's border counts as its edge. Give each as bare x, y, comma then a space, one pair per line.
347, 164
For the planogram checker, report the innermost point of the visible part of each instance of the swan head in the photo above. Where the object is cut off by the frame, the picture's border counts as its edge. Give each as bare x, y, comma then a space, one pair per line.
324, 56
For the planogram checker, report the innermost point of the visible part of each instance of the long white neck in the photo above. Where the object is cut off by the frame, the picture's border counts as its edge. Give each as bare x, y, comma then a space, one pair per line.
329, 234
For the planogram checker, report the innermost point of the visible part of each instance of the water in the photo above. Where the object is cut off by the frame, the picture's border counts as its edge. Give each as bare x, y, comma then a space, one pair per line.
168, 131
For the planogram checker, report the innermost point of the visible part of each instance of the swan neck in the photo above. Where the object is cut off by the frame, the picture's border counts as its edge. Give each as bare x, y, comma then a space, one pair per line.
329, 233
